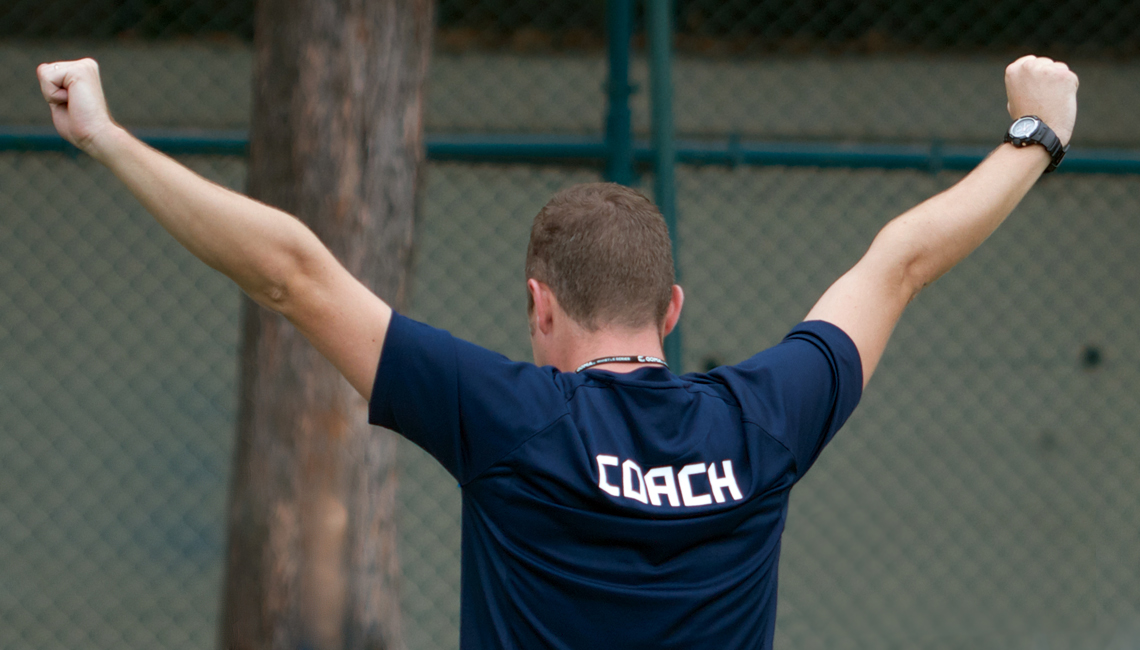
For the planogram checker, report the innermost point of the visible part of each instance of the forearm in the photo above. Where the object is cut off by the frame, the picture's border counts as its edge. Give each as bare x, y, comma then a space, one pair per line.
262, 249
920, 245
928, 240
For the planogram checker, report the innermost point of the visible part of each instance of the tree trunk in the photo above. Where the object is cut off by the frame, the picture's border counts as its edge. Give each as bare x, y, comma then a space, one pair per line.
337, 139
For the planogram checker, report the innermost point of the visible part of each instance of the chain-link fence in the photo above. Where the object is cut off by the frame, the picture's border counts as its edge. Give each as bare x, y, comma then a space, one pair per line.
1103, 27
983, 495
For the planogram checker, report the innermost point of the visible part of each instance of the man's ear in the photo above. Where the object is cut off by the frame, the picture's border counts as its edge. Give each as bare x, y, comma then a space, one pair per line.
673, 313
542, 298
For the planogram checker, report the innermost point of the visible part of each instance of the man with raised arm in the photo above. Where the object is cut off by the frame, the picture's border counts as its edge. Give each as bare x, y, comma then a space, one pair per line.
606, 501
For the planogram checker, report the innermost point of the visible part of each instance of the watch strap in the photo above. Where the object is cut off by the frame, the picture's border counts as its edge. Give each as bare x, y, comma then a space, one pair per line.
1044, 136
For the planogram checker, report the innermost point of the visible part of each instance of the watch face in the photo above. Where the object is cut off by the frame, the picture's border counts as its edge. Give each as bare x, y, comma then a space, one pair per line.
1023, 127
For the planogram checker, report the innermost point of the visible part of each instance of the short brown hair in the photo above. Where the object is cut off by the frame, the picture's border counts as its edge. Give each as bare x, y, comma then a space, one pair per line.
604, 251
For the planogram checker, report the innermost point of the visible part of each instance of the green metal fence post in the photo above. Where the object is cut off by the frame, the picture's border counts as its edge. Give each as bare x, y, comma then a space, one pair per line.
659, 16
619, 129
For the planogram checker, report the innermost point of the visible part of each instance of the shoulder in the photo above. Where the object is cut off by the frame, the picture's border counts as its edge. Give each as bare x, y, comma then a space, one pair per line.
414, 350
463, 403
813, 350
801, 390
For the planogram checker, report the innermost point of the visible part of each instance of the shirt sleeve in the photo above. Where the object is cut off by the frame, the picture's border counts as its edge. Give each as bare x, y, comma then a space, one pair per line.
463, 404
802, 390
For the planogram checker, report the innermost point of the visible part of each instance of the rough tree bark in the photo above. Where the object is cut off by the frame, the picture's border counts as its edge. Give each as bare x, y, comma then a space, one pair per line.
337, 140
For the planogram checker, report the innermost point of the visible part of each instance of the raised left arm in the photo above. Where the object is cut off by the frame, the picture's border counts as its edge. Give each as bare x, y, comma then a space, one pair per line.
271, 255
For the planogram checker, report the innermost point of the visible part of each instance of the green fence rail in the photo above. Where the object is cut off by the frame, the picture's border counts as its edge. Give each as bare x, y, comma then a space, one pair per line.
594, 152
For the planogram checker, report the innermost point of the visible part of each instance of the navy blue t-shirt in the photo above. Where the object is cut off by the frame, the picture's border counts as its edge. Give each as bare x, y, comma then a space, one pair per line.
602, 509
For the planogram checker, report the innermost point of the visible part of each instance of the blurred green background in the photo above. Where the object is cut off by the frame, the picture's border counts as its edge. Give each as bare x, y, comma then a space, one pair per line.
986, 494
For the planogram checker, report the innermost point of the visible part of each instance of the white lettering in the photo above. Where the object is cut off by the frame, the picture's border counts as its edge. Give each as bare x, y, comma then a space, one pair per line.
687, 488
675, 486
603, 462
628, 469
655, 489
728, 481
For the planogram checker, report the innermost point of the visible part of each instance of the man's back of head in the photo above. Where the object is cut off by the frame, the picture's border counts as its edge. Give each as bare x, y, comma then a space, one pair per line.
604, 250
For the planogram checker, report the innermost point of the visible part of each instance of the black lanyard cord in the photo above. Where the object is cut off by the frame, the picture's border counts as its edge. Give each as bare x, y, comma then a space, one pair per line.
622, 359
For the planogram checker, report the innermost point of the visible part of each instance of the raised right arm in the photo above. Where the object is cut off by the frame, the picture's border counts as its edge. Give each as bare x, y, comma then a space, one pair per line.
924, 242
271, 255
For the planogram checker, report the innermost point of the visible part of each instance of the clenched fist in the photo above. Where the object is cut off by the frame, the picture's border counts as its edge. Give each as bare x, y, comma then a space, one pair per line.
75, 94
1046, 88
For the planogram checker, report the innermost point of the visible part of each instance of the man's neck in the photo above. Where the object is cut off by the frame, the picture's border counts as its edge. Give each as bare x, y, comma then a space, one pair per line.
608, 343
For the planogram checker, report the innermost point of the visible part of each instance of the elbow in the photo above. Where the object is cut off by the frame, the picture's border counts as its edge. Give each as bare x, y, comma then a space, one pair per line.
922, 268
273, 296
271, 293
276, 282
915, 277
902, 263
283, 274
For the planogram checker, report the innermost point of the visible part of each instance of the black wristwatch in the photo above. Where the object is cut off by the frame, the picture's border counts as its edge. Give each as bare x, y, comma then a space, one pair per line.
1031, 130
